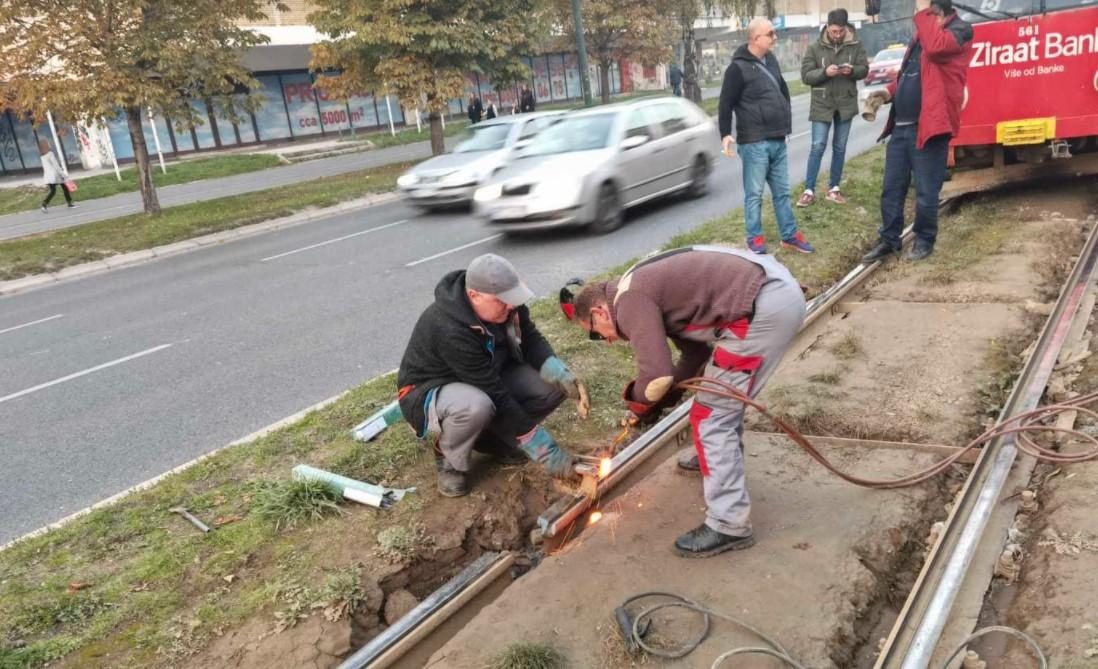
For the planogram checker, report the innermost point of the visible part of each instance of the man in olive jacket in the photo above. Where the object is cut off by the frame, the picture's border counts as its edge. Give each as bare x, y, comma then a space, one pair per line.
832, 66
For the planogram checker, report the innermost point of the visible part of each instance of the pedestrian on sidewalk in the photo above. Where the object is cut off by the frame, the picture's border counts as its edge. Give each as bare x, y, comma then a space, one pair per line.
832, 66
53, 175
676, 79
755, 91
729, 311
490, 112
925, 114
477, 375
527, 103
475, 110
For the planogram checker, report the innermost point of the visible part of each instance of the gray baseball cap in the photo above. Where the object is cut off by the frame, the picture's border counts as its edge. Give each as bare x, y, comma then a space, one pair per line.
494, 275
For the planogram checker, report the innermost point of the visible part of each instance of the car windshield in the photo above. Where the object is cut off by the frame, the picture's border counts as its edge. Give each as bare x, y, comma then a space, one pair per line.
889, 54
579, 133
491, 137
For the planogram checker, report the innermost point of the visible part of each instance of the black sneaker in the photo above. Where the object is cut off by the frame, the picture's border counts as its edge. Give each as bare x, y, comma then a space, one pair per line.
689, 465
703, 541
451, 482
919, 251
882, 251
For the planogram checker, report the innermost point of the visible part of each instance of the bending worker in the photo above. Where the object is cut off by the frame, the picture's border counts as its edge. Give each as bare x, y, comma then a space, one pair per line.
731, 311
479, 375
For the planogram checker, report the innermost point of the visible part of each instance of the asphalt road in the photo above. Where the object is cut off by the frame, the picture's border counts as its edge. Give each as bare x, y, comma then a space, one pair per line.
113, 379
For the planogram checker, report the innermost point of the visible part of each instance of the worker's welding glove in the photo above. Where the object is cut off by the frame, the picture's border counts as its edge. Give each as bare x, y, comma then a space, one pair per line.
648, 413
540, 447
555, 372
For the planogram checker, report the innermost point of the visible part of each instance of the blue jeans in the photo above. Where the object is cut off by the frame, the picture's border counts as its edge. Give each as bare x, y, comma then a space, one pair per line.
928, 166
819, 145
766, 162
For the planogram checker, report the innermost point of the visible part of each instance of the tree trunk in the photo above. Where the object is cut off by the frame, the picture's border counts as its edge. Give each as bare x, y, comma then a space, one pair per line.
438, 139
690, 88
604, 80
141, 155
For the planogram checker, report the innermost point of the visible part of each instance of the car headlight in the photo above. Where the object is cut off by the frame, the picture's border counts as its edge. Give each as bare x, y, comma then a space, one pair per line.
408, 179
488, 193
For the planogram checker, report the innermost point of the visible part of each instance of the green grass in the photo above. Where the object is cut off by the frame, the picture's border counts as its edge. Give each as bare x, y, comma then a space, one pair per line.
160, 589
524, 655
51, 251
286, 504
25, 198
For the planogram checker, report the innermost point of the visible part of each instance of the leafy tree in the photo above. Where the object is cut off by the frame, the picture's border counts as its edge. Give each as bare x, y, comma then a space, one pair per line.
420, 50
617, 29
86, 60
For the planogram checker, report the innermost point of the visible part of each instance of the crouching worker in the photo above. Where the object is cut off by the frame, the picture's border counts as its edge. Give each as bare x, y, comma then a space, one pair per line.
732, 312
478, 375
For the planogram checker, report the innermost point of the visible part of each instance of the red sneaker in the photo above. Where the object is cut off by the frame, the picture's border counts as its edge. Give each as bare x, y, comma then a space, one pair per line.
757, 244
807, 198
835, 196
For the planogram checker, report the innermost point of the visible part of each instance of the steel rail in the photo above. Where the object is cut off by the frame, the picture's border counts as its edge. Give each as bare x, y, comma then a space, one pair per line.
917, 631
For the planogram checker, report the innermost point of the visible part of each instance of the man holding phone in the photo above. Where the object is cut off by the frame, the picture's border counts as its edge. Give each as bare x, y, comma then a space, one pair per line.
832, 66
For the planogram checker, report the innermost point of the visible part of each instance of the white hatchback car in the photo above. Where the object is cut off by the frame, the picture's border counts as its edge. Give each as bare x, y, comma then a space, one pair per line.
481, 150
589, 167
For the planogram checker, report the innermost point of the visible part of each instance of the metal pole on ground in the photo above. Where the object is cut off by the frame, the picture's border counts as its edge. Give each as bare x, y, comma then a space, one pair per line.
389, 109
110, 147
581, 53
156, 140
419, 124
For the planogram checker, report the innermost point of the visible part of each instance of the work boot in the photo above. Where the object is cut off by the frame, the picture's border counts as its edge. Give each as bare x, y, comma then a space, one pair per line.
703, 541
920, 250
689, 465
882, 251
498, 450
451, 482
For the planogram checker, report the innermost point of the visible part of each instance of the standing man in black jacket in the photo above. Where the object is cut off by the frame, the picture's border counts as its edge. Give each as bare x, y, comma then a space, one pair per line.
527, 103
755, 90
479, 375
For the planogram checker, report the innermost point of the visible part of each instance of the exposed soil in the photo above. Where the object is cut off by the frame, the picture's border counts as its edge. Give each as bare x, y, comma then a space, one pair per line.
497, 515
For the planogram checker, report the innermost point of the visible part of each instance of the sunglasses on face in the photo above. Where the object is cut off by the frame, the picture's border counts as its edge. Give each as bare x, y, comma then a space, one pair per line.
591, 334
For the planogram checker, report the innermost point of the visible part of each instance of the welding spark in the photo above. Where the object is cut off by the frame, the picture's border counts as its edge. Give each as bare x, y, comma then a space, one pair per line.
604, 468
596, 516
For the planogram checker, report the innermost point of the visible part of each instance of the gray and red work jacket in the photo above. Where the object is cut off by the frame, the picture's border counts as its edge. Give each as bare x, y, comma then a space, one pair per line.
692, 296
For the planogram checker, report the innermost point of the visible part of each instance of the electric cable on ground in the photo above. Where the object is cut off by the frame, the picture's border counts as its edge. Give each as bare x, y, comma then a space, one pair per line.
1023, 426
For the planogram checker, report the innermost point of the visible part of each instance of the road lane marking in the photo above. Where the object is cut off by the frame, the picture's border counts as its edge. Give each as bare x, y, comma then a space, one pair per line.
333, 241
27, 325
454, 250
90, 370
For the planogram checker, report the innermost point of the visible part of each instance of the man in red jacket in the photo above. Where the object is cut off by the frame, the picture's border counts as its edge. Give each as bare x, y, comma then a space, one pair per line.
926, 112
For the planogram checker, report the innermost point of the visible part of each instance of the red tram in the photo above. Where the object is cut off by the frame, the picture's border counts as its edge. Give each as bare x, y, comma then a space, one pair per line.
1031, 99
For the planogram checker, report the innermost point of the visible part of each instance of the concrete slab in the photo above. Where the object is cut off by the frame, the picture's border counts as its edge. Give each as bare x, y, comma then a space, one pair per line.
127, 259
174, 249
822, 544
25, 283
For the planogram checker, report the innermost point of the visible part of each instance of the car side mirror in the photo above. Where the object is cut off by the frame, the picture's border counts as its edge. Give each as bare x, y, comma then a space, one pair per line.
633, 142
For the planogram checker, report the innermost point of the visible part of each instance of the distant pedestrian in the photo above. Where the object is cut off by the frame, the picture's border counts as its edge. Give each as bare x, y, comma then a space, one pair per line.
476, 109
755, 91
527, 103
53, 175
832, 66
490, 112
926, 112
676, 79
